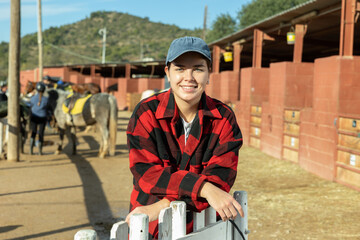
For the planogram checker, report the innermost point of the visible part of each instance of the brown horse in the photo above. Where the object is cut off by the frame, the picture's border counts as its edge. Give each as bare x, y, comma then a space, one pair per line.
82, 88
101, 109
30, 86
89, 88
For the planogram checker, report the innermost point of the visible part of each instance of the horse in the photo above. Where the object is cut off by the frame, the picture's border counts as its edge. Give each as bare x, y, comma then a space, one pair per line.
81, 88
100, 109
112, 88
86, 88
24, 119
29, 89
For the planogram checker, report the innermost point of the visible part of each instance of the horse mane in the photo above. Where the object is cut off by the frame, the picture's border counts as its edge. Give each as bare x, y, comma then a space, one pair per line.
55, 95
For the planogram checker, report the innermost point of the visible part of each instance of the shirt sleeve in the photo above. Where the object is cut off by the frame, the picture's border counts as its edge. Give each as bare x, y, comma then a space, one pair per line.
151, 175
221, 169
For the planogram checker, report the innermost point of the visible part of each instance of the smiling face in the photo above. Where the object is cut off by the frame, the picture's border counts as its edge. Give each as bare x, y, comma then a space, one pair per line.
188, 76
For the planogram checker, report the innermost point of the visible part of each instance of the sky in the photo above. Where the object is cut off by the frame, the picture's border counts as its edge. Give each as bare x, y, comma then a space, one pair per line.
187, 14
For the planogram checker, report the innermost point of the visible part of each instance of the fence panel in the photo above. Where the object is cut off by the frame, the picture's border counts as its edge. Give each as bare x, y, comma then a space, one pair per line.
210, 216
242, 223
215, 231
86, 234
139, 229
178, 219
165, 224
172, 225
119, 231
199, 220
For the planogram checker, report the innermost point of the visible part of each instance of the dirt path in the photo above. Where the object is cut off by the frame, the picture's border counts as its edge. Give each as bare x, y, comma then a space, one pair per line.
54, 196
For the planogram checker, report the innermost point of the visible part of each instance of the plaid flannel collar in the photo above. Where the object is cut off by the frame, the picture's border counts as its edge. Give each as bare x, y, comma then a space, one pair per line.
167, 107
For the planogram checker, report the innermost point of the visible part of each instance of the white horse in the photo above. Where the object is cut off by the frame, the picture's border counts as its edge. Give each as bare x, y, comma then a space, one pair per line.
100, 109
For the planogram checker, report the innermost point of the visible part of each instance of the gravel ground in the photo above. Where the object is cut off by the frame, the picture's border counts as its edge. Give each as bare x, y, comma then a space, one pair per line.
54, 196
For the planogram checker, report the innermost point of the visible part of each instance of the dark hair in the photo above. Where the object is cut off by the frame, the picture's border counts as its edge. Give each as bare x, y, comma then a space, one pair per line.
207, 63
40, 87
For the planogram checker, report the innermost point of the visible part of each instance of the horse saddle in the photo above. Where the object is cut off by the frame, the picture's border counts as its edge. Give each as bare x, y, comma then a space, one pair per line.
74, 103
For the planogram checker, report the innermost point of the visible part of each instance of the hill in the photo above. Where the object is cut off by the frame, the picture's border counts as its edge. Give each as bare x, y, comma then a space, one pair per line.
128, 38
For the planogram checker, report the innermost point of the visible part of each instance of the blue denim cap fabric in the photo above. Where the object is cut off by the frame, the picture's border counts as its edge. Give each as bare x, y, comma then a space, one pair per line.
187, 44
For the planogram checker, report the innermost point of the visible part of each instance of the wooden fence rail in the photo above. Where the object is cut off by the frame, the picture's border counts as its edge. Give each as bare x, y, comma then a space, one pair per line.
172, 225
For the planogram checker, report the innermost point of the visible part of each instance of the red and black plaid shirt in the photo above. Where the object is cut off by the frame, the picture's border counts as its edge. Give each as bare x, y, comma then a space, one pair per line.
164, 167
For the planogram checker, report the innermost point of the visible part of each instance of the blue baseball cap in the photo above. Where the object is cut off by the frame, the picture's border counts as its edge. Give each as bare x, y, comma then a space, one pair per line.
187, 44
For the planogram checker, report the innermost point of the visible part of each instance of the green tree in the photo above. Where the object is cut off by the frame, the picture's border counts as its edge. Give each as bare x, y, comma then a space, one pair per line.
258, 10
4, 48
222, 26
80, 42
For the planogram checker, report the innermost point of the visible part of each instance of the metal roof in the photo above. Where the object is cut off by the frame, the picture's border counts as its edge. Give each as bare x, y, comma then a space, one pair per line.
281, 20
322, 19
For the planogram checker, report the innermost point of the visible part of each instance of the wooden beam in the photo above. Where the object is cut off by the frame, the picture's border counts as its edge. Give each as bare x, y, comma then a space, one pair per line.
259, 37
237, 56
216, 59
257, 48
92, 70
128, 70
347, 24
300, 31
267, 37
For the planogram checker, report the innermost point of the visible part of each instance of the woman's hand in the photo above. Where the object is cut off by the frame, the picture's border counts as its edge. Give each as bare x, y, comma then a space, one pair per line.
152, 210
221, 201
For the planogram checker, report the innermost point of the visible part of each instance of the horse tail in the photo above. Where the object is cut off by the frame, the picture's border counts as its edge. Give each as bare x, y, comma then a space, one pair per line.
112, 124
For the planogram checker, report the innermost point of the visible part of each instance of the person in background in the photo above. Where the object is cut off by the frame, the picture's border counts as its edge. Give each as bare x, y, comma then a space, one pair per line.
47, 82
39, 105
60, 84
183, 145
3, 92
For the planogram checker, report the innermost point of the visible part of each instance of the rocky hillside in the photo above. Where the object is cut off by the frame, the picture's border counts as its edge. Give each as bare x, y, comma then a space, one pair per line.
128, 38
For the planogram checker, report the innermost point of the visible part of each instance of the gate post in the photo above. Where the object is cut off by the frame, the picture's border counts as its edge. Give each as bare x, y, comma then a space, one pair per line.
178, 219
139, 227
242, 223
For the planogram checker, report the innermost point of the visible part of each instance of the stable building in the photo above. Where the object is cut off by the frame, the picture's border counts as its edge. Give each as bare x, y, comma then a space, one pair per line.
293, 81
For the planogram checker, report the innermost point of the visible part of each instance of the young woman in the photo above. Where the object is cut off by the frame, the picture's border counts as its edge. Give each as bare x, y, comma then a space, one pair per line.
183, 144
39, 105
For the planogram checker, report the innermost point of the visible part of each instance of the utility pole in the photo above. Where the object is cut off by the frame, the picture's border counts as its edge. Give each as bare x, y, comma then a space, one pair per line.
141, 51
204, 27
40, 42
103, 33
13, 81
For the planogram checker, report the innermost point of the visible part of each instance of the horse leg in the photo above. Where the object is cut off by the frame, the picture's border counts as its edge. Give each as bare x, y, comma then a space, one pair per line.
101, 147
89, 128
72, 139
2, 127
112, 125
104, 147
61, 135
22, 139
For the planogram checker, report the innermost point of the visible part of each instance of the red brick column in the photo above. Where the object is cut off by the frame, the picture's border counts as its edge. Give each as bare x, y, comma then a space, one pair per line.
121, 93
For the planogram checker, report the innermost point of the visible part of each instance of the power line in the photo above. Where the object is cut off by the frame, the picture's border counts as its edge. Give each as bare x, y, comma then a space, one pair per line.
72, 53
